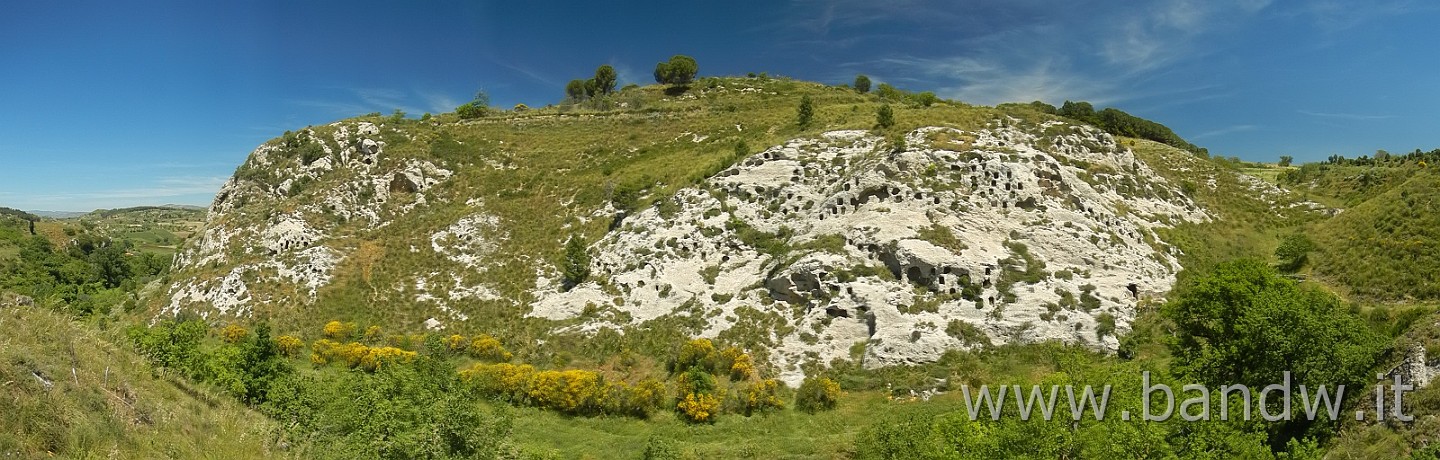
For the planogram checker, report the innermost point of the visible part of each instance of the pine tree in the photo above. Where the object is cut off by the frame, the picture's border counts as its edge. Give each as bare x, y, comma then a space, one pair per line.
577, 262
806, 113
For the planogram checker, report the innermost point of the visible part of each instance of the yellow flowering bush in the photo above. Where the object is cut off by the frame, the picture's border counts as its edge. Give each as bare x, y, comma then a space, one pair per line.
570, 391
817, 394
234, 333
696, 352
762, 396
456, 343
336, 330
505, 380
323, 350
487, 348
375, 357
373, 334
699, 407
289, 345
738, 364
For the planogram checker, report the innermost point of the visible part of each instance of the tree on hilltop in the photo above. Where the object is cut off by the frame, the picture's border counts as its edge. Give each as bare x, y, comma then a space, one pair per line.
605, 78
862, 84
678, 71
575, 90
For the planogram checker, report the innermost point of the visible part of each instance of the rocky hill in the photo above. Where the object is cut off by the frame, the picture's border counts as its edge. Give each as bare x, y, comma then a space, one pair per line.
959, 227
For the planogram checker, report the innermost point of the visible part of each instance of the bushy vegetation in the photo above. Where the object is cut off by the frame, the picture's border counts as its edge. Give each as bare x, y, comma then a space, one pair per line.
1119, 123
680, 70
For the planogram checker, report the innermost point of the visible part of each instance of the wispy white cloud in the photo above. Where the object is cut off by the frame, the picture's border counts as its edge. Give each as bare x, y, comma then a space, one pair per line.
528, 72
1051, 57
1335, 16
1345, 116
352, 101
1224, 131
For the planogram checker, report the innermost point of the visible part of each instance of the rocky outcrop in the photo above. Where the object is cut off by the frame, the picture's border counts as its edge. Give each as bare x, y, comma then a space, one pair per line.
815, 248
850, 239
296, 248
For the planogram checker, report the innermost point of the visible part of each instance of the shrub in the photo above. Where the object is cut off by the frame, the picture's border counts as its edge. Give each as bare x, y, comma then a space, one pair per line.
763, 396
373, 358
926, 99
336, 330
470, 110
575, 90
487, 348
699, 407
1104, 325
862, 84
373, 334
695, 353
885, 117
323, 351
476, 108
456, 343
817, 394
1293, 252
234, 334
289, 345
571, 391
738, 364
645, 397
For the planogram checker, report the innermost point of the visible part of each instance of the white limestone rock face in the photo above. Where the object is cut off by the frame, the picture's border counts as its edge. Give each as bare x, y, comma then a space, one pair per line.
349, 180
1023, 233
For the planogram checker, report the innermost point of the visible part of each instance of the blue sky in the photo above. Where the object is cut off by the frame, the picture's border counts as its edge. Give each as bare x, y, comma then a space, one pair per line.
110, 104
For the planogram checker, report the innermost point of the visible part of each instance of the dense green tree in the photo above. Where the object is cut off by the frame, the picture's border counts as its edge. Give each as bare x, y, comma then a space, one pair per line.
577, 262
1285, 160
805, 113
862, 84
110, 264
1245, 324
926, 99
885, 117
575, 90
680, 70
1081, 111
605, 79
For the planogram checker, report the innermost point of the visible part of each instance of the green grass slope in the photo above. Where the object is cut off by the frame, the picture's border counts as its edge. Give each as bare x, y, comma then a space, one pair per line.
1387, 247
68, 391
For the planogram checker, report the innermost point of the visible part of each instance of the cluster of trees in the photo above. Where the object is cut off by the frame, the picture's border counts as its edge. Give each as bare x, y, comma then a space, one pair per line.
89, 273
601, 84
1119, 123
1384, 158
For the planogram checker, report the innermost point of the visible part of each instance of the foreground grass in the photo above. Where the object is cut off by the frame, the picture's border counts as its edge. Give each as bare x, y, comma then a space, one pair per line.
787, 434
68, 391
